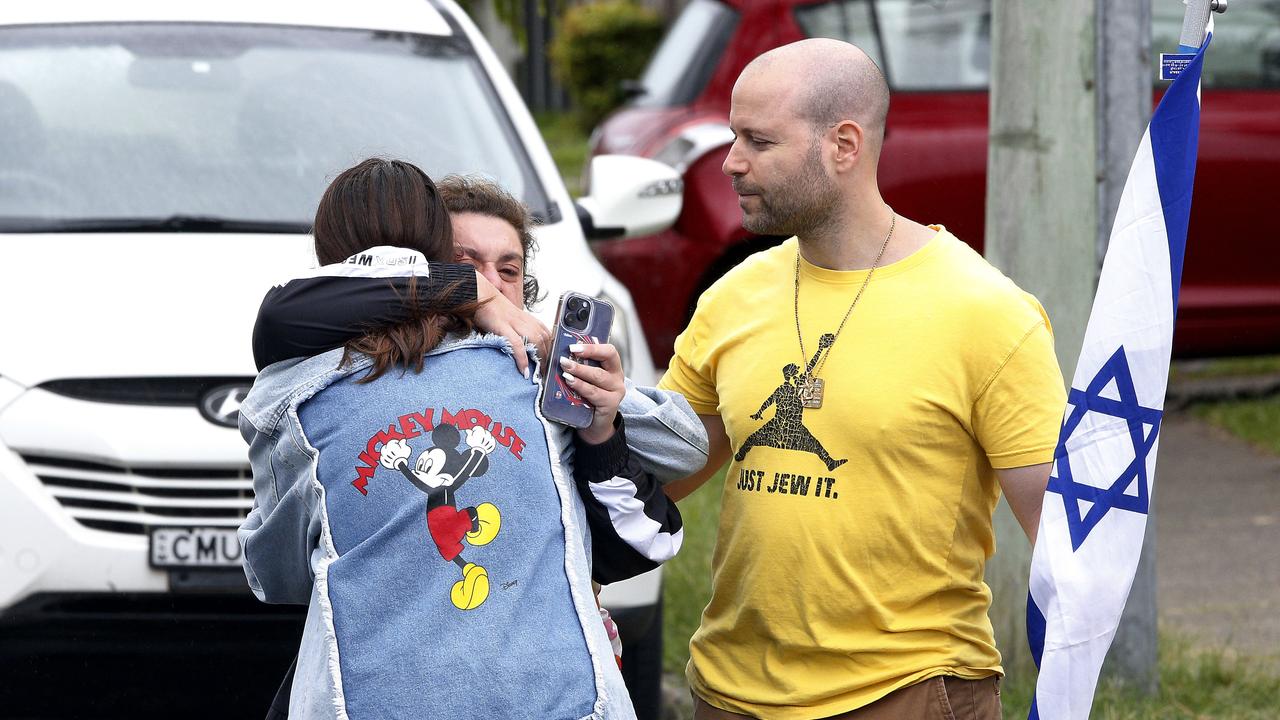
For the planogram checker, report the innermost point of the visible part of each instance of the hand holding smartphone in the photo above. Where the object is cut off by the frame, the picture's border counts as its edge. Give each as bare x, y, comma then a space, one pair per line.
580, 319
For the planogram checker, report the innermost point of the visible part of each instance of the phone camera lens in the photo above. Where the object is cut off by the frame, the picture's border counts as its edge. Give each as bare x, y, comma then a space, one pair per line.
583, 313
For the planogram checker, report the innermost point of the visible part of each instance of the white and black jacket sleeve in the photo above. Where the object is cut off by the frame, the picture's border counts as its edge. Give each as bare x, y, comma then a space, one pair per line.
634, 526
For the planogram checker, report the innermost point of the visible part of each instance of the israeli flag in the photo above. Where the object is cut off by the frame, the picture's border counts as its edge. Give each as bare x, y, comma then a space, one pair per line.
1100, 489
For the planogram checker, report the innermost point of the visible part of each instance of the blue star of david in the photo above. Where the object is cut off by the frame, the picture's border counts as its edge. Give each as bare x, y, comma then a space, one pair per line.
1127, 408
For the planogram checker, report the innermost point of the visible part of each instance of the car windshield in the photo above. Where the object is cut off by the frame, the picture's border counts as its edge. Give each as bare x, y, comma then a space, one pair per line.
920, 46
205, 127
683, 63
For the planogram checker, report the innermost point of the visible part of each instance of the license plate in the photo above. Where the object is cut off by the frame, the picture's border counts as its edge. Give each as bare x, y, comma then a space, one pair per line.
194, 547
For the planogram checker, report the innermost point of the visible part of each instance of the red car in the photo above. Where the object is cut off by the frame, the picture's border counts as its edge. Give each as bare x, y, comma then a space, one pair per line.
936, 57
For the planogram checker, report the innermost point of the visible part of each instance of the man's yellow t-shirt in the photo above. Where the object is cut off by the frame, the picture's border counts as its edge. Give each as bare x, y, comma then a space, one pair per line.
852, 538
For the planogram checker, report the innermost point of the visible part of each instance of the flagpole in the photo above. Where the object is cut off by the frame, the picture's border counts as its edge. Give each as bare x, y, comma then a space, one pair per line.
1194, 22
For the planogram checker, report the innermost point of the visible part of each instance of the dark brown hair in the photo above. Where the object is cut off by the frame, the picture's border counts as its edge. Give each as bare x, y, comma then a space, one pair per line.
474, 194
391, 202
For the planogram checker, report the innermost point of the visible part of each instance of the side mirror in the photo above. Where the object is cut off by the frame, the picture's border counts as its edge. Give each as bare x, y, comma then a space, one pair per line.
629, 197
632, 89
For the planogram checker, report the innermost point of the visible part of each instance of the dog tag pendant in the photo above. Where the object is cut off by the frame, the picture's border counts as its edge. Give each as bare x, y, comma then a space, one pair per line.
811, 393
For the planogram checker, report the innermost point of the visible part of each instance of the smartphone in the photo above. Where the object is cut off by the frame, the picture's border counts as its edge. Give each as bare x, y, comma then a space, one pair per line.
579, 319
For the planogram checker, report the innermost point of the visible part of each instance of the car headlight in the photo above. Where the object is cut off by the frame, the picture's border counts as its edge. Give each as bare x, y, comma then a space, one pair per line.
692, 143
9, 391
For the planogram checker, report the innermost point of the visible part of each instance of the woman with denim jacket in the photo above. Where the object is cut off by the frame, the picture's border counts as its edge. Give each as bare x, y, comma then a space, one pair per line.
481, 608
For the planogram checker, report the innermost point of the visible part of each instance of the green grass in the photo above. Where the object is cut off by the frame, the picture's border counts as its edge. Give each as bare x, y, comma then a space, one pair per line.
568, 145
1256, 421
686, 579
1195, 684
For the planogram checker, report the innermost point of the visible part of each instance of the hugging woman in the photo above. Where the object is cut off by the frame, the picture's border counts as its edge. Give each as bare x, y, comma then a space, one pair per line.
408, 491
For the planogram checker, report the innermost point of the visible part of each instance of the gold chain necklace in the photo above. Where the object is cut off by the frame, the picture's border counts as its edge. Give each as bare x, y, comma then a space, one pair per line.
809, 386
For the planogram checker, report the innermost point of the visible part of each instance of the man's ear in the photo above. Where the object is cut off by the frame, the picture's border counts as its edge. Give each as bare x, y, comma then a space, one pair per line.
850, 141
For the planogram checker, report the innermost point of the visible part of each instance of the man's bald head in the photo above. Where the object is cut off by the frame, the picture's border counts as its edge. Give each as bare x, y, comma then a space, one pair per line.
834, 81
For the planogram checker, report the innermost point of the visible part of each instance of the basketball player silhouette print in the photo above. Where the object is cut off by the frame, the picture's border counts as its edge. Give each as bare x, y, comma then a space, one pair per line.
786, 430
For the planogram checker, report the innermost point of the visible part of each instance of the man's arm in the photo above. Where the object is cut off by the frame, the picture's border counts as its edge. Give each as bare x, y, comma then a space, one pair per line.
760, 413
717, 456
1024, 488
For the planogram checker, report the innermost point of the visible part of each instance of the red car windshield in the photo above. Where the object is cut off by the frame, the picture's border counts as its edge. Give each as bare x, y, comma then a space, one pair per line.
687, 56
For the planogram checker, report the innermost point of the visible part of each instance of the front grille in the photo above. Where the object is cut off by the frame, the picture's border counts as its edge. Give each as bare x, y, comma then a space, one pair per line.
166, 391
132, 500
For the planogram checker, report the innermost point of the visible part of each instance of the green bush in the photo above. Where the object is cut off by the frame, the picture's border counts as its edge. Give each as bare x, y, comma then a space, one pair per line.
596, 47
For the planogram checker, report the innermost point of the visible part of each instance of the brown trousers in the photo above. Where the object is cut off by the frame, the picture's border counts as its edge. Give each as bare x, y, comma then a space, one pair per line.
938, 698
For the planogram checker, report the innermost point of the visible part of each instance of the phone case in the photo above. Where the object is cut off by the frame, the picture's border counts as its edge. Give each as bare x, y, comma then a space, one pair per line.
560, 402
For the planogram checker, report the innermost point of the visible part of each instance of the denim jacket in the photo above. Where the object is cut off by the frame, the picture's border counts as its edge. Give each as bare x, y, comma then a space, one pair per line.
433, 524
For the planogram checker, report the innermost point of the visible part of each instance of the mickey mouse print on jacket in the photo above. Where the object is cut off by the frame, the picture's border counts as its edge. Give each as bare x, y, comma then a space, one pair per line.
438, 452
439, 472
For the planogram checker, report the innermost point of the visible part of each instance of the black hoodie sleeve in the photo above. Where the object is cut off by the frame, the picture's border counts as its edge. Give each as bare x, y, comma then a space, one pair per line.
308, 316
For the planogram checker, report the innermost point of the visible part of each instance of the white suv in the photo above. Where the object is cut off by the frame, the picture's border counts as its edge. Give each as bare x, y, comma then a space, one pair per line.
160, 163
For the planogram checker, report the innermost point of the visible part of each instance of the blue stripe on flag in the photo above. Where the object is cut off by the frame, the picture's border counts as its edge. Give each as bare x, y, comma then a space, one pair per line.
1175, 133
1035, 629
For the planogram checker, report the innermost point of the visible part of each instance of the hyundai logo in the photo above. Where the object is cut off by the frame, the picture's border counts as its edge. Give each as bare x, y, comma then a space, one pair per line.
221, 405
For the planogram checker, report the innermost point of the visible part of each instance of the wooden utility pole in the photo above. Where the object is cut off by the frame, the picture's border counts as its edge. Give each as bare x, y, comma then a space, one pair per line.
1070, 98
1124, 109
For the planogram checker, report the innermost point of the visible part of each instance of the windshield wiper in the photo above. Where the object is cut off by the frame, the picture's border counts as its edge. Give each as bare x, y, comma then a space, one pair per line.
172, 223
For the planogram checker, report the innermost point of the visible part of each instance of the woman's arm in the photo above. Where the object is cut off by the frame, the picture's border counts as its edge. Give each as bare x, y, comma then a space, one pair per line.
634, 527
319, 312
323, 310
277, 537
663, 432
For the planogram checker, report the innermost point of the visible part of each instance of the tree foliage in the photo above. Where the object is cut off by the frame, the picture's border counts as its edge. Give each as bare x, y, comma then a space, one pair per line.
596, 47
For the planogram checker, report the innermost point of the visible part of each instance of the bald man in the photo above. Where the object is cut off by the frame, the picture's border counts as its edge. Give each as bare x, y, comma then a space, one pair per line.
856, 514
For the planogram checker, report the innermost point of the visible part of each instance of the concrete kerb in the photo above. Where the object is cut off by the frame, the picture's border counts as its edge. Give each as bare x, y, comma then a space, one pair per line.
1183, 393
